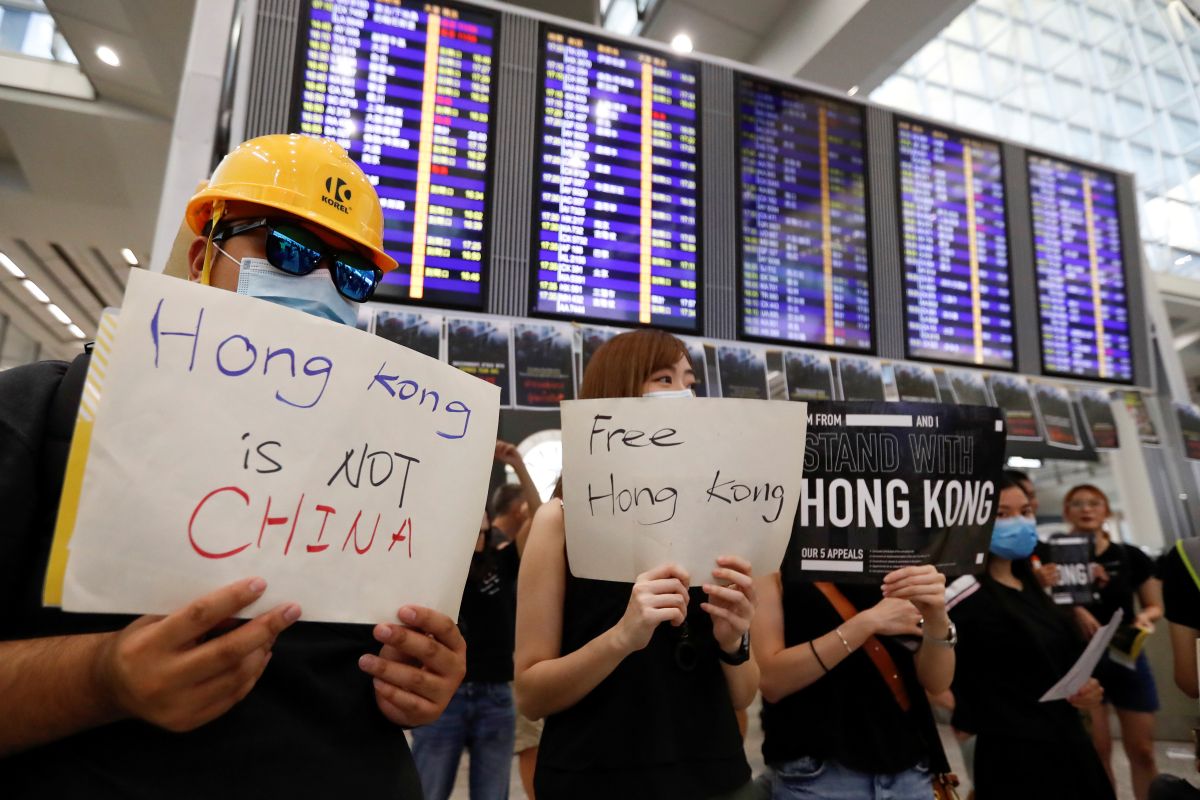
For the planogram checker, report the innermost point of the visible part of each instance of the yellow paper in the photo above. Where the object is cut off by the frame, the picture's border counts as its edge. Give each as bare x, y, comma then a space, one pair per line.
81, 441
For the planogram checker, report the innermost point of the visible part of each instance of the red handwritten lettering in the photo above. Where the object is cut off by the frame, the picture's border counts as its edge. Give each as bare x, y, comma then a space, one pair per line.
192, 522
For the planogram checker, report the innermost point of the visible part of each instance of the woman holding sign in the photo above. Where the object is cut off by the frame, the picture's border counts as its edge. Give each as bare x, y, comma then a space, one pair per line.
1014, 645
1121, 573
845, 713
634, 707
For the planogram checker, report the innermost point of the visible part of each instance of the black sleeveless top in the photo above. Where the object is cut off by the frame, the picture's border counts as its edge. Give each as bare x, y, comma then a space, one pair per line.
849, 715
649, 729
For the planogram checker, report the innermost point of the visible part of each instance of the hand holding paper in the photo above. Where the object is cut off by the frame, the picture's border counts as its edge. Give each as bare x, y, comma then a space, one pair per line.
165, 670
731, 604
1080, 673
419, 667
659, 595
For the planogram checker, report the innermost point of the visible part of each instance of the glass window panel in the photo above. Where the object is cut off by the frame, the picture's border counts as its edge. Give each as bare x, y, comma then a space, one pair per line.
1062, 19
1131, 116
1014, 123
898, 92
1037, 91
938, 102
1003, 73
1116, 60
973, 112
1069, 97
1076, 66
1175, 172
1039, 8
966, 71
1145, 166
1187, 134
1099, 25
1170, 86
1017, 43
1046, 132
1054, 48
1079, 142
989, 24
960, 29
928, 56
1112, 152
938, 73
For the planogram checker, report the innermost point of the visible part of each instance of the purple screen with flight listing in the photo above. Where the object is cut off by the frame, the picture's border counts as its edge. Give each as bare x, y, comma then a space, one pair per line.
616, 211
1082, 303
406, 87
954, 242
806, 272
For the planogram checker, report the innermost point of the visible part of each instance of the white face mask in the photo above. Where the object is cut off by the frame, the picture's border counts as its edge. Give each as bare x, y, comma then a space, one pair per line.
313, 293
668, 395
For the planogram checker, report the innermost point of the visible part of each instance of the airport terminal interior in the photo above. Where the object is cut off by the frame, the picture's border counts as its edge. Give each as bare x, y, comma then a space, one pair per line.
966, 204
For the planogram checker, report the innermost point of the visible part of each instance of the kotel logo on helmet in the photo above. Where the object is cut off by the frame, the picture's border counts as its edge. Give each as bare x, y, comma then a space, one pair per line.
341, 194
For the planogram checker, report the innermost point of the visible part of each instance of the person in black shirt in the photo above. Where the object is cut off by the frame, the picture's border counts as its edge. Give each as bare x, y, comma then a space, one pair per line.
1179, 570
183, 705
833, 726
1121, 572
1014, 644
633, 707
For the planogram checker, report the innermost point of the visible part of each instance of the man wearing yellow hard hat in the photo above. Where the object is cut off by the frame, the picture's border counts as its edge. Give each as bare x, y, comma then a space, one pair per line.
184, 705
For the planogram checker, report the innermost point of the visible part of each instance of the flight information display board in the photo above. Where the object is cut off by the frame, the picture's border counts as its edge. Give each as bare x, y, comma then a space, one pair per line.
806, 272
406, 87
1083, 307
616, 212
954, 240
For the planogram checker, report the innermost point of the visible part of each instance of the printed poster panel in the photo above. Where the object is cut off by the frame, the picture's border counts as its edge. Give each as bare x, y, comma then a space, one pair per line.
283, 469
743, 372
482, 348
916, 383
1013, 395
417, 330
861, 379
646, 482
891, 485
968, 388
1189, 425
590, 339
1058, 416
543, 364
695, 348
1100, 424
1135, 404
809, 376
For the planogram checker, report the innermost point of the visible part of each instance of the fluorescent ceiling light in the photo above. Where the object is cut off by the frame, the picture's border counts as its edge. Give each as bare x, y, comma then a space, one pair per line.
76, 332
1179, 262
108, 55
12, 268
853, 91
1019, 462
59, 314
36, 291
129, 257
682, 43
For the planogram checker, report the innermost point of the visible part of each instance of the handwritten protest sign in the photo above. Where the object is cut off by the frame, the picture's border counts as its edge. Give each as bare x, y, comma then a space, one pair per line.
890, 485
648, 481
235, 437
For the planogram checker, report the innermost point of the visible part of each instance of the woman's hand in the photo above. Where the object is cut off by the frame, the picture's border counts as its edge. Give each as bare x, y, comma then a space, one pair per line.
1047, 575
1089, 696
894, 617
731, 601
1087, 623
922, 586
659, 595
1145, 621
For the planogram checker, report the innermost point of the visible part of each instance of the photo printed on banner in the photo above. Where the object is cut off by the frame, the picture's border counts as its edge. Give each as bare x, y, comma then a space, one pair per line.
1099, 422
916, 383
809, 376
1014, 396
480, 347
544, 374
1189, 426
416, 330
743, 372
891, 485
695, 349
590, 339
1058, 416
968, 388
861, 379
1135, 404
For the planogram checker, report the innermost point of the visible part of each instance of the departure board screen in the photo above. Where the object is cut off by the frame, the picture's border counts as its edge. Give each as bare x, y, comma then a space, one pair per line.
806, 274
616, 214
1083, 307
406, 88
954, 240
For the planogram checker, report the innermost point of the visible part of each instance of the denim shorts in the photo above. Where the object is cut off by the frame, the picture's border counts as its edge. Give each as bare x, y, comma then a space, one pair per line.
809, 778
1128, 689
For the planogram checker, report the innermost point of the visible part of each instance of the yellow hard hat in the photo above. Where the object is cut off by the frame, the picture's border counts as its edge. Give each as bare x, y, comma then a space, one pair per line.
311, 178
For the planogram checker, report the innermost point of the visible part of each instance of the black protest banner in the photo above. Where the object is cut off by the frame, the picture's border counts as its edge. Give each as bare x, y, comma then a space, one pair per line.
480, 347
968, 388
1135, 404
1189, 426
809, 376
1013, 395
695, 349
861, 379
1058, 416
891, 485
916, 383
743, 372
1100, 424
416, 330
1073, 555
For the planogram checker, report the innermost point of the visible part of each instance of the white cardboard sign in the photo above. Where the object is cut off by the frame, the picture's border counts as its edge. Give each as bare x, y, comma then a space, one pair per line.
648, 481
235, 437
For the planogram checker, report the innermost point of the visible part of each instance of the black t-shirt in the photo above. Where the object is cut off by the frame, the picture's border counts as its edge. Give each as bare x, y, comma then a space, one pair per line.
309, 728
850, 714
488, 614
1012, 646
1181, 597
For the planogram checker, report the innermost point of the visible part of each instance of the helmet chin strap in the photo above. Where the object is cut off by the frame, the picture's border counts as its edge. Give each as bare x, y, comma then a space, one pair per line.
206, 272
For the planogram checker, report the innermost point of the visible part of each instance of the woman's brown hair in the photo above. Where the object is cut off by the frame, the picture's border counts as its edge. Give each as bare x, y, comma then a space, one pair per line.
621, 365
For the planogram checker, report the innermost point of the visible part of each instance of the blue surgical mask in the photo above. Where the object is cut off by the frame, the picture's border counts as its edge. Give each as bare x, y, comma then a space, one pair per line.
313, 293
1013, 538
666, 395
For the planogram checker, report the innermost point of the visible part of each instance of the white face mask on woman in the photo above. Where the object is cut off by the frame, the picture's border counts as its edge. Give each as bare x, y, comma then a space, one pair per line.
678, 395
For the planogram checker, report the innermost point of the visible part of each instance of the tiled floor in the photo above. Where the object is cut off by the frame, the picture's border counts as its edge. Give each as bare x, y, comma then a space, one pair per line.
1172, 757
